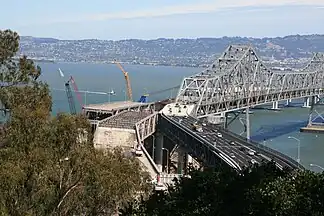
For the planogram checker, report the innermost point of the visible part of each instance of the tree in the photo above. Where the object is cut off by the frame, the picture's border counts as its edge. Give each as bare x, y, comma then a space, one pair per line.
48, 166
259, 190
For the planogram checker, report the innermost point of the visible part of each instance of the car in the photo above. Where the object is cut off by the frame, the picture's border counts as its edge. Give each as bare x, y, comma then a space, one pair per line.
251, 152
204, 124
232, 143
138, 152
204, 136
160, 187
215, 143
232, 155
219, 135
257, 153
253, 161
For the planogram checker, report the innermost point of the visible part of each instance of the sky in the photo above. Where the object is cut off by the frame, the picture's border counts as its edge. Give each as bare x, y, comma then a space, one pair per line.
149, 19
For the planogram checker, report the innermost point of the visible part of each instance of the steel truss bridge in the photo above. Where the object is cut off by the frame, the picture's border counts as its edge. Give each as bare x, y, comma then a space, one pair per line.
239, 79
236, 81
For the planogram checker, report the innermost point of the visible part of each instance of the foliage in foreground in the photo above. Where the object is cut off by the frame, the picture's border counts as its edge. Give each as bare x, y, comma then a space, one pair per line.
48, 166
263, 190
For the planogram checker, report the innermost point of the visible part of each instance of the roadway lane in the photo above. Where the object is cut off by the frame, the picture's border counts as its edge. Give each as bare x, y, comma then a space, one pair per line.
236, 149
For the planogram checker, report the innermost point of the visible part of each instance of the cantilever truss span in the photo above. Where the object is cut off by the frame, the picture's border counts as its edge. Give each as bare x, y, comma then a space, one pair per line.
239, 79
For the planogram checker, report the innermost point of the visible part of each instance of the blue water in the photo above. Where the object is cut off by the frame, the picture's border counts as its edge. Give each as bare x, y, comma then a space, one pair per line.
105, 77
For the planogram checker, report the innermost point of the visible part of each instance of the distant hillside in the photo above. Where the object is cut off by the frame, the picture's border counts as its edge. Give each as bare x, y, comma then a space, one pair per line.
185, 52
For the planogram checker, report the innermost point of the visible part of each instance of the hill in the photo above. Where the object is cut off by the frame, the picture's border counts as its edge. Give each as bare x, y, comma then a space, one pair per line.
181, 52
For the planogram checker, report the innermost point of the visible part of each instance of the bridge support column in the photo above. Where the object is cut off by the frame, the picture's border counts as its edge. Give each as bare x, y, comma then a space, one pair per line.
275, 105
159, 151
188, 161
288, 102
248, 127
180, 165
312, 107
306, 102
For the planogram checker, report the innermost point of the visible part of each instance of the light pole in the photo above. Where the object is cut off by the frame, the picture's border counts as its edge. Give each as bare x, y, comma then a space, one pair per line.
318, 166
153, 147
167, 150
298, 150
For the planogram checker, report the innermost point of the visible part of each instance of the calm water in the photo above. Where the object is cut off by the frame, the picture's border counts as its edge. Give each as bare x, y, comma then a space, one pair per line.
273, 126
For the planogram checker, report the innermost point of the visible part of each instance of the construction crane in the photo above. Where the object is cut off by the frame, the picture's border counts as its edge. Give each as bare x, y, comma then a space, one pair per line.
70, 95
128, 85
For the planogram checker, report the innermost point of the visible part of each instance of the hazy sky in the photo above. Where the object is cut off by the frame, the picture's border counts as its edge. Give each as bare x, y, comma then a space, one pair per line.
107, 19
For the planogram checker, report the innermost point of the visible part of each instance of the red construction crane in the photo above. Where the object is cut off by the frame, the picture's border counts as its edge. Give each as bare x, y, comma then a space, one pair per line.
70, 95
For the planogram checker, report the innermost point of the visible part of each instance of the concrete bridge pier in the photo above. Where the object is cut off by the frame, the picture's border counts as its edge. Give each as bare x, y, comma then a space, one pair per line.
275, 105
188, 161
248, 127
288, 102
159, 151
306, 102
181, 161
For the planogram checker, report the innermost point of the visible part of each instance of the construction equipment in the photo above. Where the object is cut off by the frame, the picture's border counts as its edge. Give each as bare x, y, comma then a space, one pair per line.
70, 95
128, 85
143, 98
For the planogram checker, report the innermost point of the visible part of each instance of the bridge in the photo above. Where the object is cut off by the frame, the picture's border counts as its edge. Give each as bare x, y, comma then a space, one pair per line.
235, 82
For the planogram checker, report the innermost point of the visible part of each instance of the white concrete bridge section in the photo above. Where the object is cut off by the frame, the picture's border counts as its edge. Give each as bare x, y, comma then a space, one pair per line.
119, 130
239, 79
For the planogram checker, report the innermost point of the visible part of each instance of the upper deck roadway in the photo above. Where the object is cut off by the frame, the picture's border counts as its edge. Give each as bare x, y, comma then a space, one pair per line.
230, 148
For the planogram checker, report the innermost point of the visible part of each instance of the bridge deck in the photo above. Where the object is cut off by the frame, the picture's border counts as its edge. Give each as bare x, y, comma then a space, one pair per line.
112, 106
234, 148
124, 120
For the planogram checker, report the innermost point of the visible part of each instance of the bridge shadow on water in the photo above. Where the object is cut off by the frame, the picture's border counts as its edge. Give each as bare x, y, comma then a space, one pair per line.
266, 132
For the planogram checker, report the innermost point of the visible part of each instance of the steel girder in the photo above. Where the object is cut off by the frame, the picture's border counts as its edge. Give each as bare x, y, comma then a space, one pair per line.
146, 127
198, 150
239, 79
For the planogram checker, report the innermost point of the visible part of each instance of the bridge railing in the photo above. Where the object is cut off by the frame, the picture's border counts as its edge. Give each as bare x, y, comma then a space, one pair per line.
147, 155
266, 149
168, 179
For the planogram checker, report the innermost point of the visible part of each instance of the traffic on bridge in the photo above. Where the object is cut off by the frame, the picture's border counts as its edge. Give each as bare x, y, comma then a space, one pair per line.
232, 149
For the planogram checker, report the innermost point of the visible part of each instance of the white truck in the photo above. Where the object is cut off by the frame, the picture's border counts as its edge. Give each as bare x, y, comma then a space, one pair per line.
138, 150
197, 127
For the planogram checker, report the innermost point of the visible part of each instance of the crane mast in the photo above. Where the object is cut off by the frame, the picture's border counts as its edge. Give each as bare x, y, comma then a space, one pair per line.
70, 98
128, 85
70, 95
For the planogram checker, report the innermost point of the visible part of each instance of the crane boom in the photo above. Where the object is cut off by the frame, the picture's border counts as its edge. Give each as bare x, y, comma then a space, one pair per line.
76, 91
70, 98
128, 85
70, 95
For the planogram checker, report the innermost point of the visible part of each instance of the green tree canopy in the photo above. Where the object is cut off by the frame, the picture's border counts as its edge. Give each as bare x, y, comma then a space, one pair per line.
259, 190
48, 166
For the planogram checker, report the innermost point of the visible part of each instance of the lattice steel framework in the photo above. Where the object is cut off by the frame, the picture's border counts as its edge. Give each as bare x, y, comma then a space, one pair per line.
239, 79
146, 127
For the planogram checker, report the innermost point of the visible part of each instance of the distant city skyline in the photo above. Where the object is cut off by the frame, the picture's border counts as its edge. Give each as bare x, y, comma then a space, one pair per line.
144, 19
